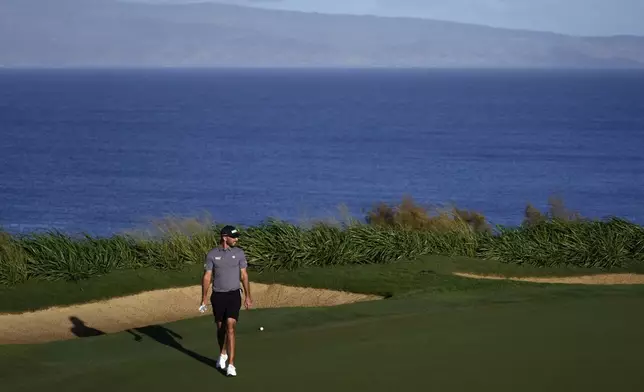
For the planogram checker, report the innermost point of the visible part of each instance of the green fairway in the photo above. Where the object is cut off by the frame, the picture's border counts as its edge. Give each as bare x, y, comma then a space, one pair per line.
436, 332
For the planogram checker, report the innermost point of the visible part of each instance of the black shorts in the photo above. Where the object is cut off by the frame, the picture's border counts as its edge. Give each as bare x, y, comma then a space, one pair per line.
226, 305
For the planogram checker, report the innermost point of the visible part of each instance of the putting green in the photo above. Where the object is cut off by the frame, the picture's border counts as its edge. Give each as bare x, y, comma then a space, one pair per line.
589, 343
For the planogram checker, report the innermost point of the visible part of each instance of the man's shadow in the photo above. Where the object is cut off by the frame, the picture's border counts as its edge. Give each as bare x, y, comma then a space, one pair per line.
83, 331
168, 337
160, 334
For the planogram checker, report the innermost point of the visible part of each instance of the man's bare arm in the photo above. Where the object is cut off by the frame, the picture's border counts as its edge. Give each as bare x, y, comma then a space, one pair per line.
205, 286
244, 278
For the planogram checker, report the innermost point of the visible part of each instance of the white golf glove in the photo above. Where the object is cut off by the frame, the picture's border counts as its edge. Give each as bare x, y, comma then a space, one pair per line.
203, 308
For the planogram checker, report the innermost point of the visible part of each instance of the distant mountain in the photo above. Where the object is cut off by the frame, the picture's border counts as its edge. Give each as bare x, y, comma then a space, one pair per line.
108, 33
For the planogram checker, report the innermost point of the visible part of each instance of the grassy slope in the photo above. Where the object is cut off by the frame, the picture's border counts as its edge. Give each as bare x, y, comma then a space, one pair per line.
428, 273
500, 336
489, 345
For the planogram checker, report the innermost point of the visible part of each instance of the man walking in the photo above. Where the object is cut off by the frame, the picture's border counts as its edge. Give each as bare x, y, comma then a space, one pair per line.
228, 265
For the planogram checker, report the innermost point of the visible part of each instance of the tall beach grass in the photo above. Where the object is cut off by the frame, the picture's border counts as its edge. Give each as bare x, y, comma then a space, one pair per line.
387, 234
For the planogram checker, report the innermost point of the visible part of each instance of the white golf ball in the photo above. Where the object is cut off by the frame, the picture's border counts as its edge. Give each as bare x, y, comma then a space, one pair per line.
261, 328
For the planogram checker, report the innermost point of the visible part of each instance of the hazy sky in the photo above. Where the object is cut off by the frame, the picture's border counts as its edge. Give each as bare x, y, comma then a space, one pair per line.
583, 17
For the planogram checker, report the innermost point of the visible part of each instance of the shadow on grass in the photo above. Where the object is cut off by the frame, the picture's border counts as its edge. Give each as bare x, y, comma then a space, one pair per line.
168, 337
158, 333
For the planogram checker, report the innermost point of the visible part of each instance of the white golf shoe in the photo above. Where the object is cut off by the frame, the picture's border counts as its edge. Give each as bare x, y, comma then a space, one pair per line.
221, 362
231, 371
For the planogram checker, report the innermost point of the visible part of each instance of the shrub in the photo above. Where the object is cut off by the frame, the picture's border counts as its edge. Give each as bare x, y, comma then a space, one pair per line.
557, 211
410, 215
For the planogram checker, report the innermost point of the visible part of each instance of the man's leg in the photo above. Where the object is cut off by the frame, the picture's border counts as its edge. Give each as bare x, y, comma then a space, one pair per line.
221, 338
231, 324
219, 311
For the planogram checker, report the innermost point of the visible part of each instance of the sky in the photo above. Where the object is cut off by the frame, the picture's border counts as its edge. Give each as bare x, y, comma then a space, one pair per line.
576, 17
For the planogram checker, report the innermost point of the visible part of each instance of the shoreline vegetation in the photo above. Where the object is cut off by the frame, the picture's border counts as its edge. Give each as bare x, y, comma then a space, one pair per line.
555, 238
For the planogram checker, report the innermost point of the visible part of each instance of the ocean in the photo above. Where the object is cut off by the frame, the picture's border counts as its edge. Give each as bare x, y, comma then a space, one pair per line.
106, 151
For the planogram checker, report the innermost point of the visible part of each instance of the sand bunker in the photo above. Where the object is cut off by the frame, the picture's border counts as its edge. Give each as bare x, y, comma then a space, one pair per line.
605, 279
152, 307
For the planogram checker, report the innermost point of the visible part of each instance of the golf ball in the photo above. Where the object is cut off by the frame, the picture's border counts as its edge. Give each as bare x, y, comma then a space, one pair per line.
261, 328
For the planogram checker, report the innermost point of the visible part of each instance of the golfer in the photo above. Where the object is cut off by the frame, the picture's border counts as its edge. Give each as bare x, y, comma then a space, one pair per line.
227, 264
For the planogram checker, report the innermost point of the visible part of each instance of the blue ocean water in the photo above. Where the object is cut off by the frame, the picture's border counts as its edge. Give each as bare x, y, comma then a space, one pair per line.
101, 151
